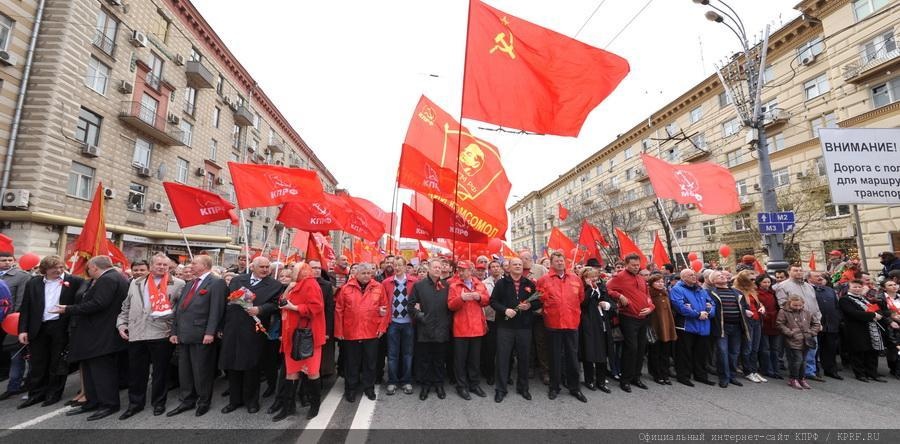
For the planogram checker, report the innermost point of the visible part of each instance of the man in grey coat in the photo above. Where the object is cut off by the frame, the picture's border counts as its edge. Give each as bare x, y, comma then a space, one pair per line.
198, 314
15, 279
795, 284
147, 333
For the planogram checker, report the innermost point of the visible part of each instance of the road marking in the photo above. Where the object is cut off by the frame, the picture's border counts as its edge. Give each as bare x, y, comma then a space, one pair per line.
315, 428
362, 420
39, 419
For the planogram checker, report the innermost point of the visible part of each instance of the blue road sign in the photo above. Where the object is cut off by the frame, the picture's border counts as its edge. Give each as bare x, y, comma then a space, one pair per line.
763, 218
784, 216
771, 228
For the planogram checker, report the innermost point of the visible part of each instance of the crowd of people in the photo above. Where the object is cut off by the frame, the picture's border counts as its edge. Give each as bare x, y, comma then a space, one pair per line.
439, 322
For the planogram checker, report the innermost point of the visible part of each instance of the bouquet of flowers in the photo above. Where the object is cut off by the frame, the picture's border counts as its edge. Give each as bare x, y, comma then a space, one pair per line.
529, 300
244, 298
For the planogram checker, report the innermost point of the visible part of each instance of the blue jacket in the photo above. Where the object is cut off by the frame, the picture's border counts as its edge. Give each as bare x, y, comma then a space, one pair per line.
688, 317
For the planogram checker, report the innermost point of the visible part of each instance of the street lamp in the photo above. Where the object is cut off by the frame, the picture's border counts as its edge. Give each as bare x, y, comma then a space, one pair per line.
748, 109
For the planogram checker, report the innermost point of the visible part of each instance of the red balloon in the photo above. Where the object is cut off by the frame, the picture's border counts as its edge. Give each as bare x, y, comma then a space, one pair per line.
29, 261
11, 324
725, 251
692, 256
696, 265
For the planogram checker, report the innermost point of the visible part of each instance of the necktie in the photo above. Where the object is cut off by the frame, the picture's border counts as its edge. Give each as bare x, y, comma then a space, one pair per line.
190, 295
253, 281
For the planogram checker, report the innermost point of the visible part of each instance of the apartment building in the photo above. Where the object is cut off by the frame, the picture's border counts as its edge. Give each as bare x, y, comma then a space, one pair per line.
835, 66
132, 94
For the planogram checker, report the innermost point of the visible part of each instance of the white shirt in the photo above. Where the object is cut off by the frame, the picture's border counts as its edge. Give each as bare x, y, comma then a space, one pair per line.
52, 290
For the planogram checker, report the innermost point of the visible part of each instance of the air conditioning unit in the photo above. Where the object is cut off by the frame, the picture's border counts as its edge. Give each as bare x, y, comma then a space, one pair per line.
138, 39
220, 181
268, 220
125, 87
179, 59
90, 150
109, 193
253, 213
200, 172
156, 207
17, 199
173, 119
689, 206
711, 238
143, 171
808, 60
7, 58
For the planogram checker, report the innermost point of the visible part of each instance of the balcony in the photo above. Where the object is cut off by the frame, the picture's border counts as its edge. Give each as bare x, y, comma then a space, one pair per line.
679, 216
243, 116
746, 201
199, 76
693, 154
276, 146
104, 43
775, 117
871, 64
640, 174
152, 124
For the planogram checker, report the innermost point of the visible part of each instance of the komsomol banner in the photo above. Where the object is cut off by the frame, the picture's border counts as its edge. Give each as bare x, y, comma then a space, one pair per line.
481, 188
193, 206
450, 225
269, 185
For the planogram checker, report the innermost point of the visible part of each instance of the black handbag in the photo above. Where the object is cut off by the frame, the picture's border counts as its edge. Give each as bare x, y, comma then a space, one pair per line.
302, 343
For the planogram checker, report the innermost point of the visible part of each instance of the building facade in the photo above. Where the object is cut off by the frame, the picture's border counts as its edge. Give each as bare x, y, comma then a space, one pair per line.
132, 94
835, 66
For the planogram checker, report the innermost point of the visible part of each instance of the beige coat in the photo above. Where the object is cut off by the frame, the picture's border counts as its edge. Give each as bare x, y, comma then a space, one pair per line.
135, 315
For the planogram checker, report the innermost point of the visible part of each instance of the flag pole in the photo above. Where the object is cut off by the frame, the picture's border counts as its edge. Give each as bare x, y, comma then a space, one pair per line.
462, 103
246, 241
186, 244
278, 259
394, 210
675, 238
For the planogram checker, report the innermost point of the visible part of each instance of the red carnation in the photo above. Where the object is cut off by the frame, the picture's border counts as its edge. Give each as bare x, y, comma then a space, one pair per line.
527, 289
65, 284
204, 291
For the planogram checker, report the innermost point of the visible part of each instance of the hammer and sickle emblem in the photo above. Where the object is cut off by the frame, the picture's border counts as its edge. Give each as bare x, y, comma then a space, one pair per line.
503, 46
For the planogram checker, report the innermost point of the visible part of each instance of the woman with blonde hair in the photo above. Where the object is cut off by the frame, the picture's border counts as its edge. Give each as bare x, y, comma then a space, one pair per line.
746, 284
302, 306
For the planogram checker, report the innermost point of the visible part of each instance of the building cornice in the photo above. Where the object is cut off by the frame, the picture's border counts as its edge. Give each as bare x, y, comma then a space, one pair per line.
819, 8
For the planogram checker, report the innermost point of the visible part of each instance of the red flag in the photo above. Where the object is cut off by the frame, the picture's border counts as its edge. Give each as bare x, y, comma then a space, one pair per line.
193, 206
300, 241
422, 254
590, 238
660, 256
92, 240
450, 225
269, 185
563, 212
322, 215
325, 248
507, 252
523, 76
707, 185
116, 255
6, 244
812, 261
360, 222
313, 253
758, 267
482, 187
417, 171
627, 246
560, 242
414, 225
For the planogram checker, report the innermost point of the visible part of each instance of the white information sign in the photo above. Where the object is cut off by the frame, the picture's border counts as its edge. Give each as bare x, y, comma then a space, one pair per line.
862, 164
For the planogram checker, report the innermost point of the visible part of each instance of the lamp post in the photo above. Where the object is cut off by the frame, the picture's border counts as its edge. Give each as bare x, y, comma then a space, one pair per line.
748, 104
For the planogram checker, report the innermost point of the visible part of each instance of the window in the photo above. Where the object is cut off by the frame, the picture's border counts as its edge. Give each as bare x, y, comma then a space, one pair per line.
696, 115
768, 74
820, 166
775, 142
735, 158
832, 210
810, 49
680, 232
865, 8
149, 105
699, 141
741, 187
886, 93
781, 176
709, 228
646, 144
160, 26
88, 129
731, 127
629, 152
612, 163
630, 195
217, 113
188, 131
137, 193
220, 85
769, 106
236, 137
879, 47
142, 150
825, 121
671, 155
97, 77
182, 167
6, 27
213, 149
190, 98
155, 75
816, 87
81, 181
105, 34
195, 55
235, 156
724, 99
210, 181
614, 181
742, 222
256, 120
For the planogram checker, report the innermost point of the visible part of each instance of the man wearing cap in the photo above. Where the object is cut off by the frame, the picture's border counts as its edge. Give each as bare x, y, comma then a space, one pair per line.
466, 300
835, 262
890, 261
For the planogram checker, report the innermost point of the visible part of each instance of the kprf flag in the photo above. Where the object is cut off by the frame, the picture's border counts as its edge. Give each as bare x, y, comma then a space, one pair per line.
116, 255
270, 185
417, 169
707, 185
628, 246
193, 206
660, 256
92, 240
563, 212
592, 239
383, 217
520, 75
361, 223
414, 225
481, 187
560, 242
448, 224
320, 215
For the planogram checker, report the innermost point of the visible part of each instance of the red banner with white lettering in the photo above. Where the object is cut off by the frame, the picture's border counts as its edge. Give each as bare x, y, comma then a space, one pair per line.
269, 185
707, 185
414, 225
450, 225
193, 206
320, 215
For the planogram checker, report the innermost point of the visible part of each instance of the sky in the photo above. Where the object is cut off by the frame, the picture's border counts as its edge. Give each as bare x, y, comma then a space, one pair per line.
348, 74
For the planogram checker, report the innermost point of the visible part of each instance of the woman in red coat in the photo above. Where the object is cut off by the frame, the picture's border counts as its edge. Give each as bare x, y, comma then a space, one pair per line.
302, 307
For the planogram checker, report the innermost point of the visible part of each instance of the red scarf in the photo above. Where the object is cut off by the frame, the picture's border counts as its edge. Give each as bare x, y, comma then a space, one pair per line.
159, 296
891, 305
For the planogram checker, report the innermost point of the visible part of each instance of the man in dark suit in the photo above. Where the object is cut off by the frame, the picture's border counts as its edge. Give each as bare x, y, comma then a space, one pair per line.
95, 341
197, 317
46, 333
242, 344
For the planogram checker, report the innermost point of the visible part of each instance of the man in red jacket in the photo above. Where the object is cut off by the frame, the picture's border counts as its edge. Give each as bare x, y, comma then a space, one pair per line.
360, 318
561, 296
629, 289
467, 297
